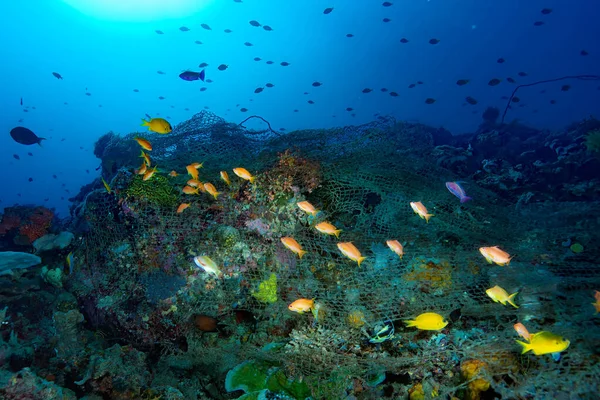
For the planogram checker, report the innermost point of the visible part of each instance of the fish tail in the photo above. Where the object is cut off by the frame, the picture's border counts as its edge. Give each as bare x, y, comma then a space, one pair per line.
337, 233
145, 123
301, 253
360, 260
216, 194
410, 323
511, 298
465, 199
427, 216
526, 346
252, 178
40, 141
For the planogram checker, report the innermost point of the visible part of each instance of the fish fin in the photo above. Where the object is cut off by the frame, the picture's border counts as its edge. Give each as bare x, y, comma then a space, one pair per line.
360, 260
145, 123
337, 233
410, 323
526, 346
202, 75
40, 141
465, 199
301, 253
252, 179
427, 216
511, 298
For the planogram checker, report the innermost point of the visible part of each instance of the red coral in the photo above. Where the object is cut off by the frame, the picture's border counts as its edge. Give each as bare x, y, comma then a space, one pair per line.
39, 222
9, 222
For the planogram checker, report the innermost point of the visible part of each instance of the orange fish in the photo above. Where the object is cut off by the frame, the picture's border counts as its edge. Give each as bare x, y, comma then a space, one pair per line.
522, 331
326, 227
182, 207
350, 251
142, 169
211, 189
420, 209
597, 303
225, 177
149, 174
146, 158
302, 305
307, 207
190, 190
144, 143
197, 165
173, 174
294, 246
396, 247
495, 255
194, 183
244, 174
192, 171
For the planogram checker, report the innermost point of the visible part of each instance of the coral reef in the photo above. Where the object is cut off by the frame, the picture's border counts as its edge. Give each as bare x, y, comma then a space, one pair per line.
157, 191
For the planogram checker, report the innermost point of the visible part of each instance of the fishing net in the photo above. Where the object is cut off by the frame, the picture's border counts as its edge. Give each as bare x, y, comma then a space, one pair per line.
138, 264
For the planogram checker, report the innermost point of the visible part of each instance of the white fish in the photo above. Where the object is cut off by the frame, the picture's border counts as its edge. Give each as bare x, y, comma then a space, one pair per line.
208, 265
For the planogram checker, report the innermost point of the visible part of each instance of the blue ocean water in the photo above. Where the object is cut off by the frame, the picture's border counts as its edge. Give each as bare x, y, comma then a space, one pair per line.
110, 48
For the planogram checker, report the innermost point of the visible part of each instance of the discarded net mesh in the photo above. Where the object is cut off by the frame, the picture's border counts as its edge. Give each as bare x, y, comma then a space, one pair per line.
138, 258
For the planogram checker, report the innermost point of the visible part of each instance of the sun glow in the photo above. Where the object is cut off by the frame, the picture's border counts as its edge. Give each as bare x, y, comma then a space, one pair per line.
138, 10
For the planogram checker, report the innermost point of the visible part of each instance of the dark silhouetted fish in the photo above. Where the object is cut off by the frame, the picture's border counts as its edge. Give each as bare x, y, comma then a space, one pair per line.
258, 90
248, 44
16, 157
434, 41
57, 75
30, 154
254, 23
160, 72
198, 42
404, 40
30, 179
429, 100
500, 60
267, 28
328, 10
222, 67
316, 84
386, 4
159, 32
386, 20
285, 63
136, 90
493, 82
538, 23
412, 85
565, 88
205, 26
546, 11
470, 100
515, 99
243, 109
269, 62
269, 85
256, 58
383, 90
25, 136
393, 94
349, 35
522, 74
203, 89
192, 76
311, 102
227, 31
349, 109
510, 80
552, 101
584, 53
367, 90
203, 65
184, 29
21, 101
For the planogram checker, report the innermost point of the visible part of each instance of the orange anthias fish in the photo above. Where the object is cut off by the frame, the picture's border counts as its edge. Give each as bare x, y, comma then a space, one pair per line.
197, 165
173, 174
225, 177
149, 174
190, 190
302, 305
211, 189
495, 255
350, 251
597, 303
420, 210
396, 247
182, 207
194, 183
146, 158
192, 171
294, 246
143, 143
307, 208
142, 169
329, 229
522, 331
244, 174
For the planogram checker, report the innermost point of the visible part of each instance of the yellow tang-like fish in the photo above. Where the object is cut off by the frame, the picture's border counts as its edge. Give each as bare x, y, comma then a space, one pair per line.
143, 143
211, 189
106, 186
158, 125
307, 207
428, 322
396, 247
294, 246
420, 210
302, 305
495, 255
225, 177
244, 174
350, 251
500, 295
327, 228
544, 343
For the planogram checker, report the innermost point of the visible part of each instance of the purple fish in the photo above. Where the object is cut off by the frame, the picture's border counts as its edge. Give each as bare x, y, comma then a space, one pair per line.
458, 191
192, 76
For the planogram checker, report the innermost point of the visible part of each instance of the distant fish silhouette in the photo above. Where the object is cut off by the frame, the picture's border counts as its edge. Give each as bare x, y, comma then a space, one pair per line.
25, 136
57, 75
192, 76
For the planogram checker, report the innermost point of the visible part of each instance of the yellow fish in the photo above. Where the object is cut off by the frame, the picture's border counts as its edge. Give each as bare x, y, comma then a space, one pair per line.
420, 210
108, 189
182, 207
428, 322
544, 343
197, 165
149, 174
144, 143
495, 255
350, 251
158, 125
294, 246
500, 295
208, 265
326, 227
194, 183
244, 174
190, 190
597, 303
142, 169
211, 189
302, 305
396, 247
192, 171
225, 177
173, 174
307, 207
146, 158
